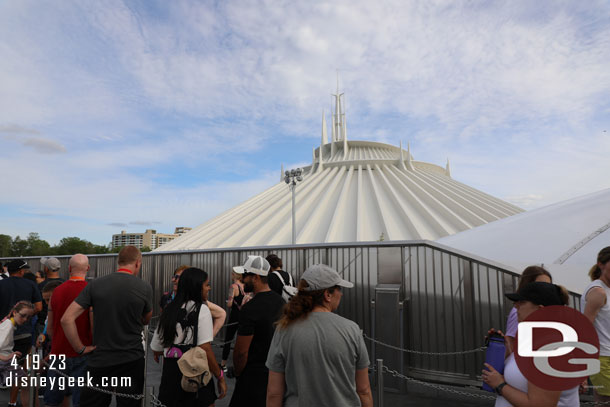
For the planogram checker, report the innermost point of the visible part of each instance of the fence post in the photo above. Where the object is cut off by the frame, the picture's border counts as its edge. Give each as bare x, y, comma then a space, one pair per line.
32, 390
380, 383
402, 386
148, 391
146, 399
373, 311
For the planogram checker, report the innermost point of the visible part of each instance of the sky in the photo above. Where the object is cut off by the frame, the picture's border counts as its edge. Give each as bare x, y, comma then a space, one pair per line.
130, 115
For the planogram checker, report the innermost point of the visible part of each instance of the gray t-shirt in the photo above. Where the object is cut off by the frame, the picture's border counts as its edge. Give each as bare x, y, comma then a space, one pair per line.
119, 301
319, 357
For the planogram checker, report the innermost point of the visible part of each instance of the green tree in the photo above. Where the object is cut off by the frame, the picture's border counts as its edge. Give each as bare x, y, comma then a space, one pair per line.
19, 247
72, 245
145, 249
6, 243
37, 246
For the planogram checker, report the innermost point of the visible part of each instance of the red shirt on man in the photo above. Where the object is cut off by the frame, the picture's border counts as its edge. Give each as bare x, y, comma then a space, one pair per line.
60, 300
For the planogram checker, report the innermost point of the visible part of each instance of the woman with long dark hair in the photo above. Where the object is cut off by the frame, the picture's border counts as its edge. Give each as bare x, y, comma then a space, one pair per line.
317, 357
186, 322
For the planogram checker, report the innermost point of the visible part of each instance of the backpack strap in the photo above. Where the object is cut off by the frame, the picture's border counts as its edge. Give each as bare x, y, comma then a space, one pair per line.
196, 326
279, 276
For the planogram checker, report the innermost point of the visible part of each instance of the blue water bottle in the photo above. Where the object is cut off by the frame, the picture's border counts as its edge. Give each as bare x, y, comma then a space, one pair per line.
495, 355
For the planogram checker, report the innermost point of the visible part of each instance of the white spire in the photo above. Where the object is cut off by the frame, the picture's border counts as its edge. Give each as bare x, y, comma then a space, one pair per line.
338, 115
409, 161
401, 160
333, 134
324, 131
344, 147
344, 118
448, 169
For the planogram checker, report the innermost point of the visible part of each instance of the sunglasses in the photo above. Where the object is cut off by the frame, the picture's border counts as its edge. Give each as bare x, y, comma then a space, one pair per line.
176, 277
26, 316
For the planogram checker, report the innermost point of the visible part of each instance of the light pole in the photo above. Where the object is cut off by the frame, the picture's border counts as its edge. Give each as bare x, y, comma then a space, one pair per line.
291, 178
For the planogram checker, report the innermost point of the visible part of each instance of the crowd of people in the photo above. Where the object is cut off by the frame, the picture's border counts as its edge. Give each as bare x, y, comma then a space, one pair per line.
284, 333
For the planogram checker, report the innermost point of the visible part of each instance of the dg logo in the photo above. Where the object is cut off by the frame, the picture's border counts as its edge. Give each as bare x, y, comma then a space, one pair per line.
557, 348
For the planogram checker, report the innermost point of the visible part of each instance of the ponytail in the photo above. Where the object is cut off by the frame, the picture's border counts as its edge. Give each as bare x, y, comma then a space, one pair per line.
595, 273
302, 304
602, 258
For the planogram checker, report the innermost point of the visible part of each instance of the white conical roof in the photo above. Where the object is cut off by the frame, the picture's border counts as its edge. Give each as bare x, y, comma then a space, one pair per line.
565, 237
360, 196
353, 191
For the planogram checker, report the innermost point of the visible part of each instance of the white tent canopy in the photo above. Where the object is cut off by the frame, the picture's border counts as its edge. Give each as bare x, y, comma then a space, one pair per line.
565, 237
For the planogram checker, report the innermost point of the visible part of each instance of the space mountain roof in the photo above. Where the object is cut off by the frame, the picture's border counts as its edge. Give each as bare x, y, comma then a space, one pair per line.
352, 191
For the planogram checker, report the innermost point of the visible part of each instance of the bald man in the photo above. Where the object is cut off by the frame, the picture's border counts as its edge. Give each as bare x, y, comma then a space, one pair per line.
75, 364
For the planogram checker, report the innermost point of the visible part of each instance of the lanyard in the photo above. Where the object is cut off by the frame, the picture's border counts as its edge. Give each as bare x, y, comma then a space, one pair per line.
77, 278
125, 271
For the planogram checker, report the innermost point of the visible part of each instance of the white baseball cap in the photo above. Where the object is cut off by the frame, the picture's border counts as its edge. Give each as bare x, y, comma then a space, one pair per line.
254, 265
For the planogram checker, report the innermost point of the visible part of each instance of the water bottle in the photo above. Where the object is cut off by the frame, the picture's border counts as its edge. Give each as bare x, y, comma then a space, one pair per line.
495, 355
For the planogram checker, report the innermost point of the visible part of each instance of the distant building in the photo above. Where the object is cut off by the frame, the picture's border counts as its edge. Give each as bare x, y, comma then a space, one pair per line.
150, 238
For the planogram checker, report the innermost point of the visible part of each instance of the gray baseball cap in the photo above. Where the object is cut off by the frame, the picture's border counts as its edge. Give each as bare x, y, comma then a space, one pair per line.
52, 263
321, 276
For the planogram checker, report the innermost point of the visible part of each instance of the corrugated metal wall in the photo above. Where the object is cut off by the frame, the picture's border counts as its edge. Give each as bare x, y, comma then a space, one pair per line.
449, 300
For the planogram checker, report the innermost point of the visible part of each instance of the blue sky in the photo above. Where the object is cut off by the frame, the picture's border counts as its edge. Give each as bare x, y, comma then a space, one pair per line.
154, 114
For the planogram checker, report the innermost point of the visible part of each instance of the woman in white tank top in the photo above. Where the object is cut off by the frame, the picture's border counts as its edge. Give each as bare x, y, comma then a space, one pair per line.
595, 306
513, 388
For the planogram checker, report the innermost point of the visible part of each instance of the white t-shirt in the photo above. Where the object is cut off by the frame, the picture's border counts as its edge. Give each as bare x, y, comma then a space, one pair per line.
205, 332
7, 331
602, 320
513, 376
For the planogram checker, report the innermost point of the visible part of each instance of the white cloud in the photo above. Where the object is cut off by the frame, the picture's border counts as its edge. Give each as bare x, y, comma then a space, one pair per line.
514, 93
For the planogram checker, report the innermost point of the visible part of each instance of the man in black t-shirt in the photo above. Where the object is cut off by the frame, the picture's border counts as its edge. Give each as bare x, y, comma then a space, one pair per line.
51, 267
275, 284
256, 320
122, 305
